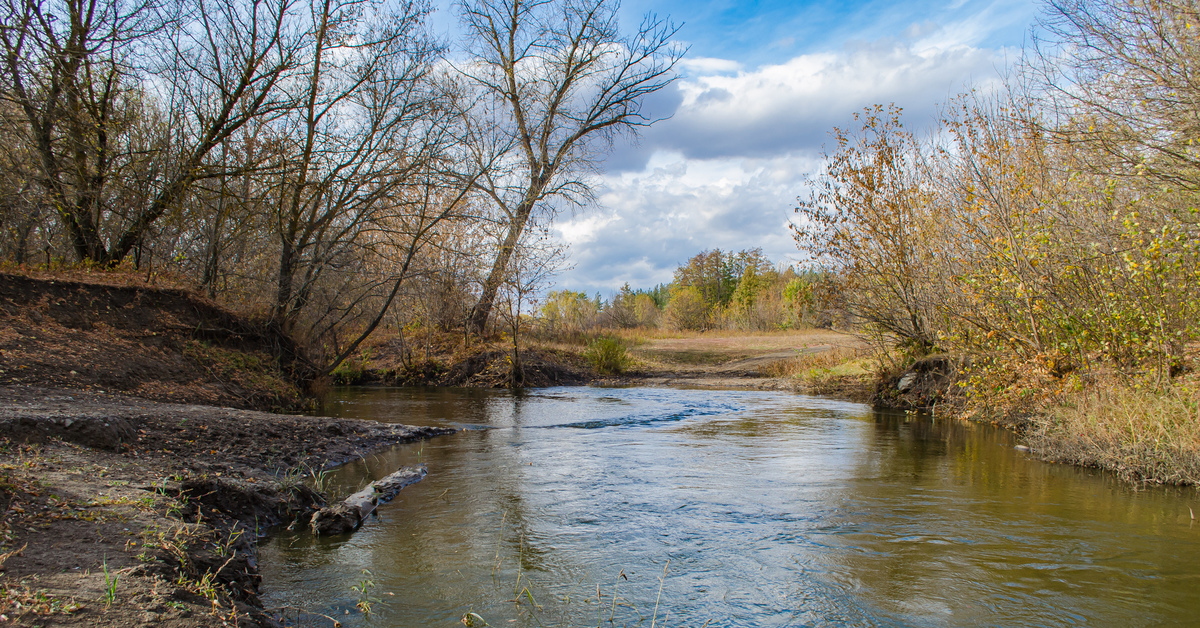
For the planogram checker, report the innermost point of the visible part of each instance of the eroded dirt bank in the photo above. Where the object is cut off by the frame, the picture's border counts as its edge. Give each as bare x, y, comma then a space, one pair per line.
118, 511
154, 343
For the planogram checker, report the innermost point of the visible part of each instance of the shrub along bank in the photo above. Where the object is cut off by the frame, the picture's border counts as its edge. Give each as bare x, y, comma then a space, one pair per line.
1049, 232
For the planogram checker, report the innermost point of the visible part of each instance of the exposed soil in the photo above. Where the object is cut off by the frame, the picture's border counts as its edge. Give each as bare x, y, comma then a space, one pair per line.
168, 499
118, 508
163, 344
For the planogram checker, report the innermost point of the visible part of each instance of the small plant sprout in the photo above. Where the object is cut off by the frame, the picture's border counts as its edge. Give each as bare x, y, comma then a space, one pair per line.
363, 589
110, 584
321, 478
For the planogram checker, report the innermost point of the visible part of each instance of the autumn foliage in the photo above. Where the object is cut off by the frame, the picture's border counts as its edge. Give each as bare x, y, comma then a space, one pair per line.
1048, 233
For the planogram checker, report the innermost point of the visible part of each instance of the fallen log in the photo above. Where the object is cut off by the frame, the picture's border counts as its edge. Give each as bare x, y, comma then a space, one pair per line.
348, 515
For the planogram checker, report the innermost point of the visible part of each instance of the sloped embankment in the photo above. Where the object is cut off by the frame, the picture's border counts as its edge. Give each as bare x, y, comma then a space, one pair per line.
154, 343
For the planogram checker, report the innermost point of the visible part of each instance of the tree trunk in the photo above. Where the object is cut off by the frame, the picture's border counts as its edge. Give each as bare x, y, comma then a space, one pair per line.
283, 292
483, 308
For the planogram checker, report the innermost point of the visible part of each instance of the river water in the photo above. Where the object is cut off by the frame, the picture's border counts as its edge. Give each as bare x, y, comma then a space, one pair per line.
721, 508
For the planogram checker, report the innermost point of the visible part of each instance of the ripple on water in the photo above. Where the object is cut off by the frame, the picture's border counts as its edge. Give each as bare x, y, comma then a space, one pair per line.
773, 510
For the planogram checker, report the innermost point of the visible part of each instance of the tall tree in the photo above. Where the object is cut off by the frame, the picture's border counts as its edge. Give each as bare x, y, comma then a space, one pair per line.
367, 122
557, 82
123, 101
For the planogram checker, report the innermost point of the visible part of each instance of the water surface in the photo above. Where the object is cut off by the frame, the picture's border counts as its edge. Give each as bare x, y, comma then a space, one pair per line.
761, 509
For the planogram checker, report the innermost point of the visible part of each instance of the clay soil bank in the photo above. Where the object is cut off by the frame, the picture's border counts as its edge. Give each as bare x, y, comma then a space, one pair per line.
112, 333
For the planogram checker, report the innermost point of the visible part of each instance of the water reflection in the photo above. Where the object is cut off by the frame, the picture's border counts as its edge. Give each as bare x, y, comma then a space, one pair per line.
773, 510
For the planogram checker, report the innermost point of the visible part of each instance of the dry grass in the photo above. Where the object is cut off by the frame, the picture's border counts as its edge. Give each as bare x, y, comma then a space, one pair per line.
838, 361
1141, 433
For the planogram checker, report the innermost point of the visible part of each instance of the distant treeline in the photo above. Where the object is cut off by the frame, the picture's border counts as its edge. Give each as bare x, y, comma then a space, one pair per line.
713, 290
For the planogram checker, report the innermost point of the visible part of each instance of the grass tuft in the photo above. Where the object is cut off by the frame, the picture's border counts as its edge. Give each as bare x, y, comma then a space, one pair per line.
608, 356
110, 585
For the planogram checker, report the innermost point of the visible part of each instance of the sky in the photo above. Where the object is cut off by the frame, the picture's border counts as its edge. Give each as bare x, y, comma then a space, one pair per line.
760, 89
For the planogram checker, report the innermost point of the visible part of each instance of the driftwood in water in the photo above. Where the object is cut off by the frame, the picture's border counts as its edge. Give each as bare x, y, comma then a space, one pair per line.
348, 514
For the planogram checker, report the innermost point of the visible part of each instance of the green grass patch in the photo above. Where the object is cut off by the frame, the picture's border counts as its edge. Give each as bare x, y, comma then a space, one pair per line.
608, 356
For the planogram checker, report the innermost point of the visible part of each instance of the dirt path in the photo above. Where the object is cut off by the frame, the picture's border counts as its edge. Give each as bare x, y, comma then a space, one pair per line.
730, 360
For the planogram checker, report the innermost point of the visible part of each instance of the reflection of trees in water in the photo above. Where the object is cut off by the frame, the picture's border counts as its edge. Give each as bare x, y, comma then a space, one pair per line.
945, 518
910, 445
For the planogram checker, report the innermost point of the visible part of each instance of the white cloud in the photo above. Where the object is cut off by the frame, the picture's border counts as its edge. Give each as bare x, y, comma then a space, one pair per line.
708, 65
725, 170
792, 106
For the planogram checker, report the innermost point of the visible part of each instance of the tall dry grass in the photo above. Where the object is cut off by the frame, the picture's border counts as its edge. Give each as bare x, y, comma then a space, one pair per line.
840, 360
1141, 433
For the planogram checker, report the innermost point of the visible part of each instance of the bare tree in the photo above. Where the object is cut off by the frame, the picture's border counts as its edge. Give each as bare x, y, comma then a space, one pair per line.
557, 82
124, 100
375, 171
367, 124
1122, 77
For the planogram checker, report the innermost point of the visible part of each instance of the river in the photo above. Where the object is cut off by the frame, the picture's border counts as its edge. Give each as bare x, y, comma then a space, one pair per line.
665, 507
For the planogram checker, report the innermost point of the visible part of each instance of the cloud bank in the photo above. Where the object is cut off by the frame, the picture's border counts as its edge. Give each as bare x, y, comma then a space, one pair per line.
725, 169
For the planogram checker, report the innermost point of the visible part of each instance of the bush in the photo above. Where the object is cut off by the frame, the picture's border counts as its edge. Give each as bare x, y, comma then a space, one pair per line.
607, 355
687, 310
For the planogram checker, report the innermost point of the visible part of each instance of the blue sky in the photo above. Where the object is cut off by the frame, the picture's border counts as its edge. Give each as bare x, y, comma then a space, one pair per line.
761, 87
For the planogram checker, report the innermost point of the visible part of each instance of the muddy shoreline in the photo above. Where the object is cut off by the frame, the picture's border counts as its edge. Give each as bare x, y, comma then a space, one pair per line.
119, 511
169, 501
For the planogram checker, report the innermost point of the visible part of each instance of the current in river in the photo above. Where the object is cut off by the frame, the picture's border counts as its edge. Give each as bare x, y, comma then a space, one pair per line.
688, 508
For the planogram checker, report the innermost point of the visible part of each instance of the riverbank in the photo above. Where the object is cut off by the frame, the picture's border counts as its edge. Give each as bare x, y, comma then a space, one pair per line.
813, 361
120, 511
137, 468
108, 332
